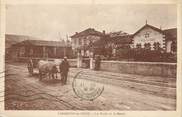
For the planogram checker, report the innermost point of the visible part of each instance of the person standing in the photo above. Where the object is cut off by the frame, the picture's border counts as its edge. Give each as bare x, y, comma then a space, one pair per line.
64, 68
30, 66
97, 62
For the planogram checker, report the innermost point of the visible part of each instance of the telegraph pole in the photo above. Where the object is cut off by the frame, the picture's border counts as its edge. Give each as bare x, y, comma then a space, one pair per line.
64, 48
63, 42
65, 45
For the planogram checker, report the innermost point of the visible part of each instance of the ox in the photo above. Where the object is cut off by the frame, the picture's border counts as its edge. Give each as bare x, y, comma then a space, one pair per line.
47, 67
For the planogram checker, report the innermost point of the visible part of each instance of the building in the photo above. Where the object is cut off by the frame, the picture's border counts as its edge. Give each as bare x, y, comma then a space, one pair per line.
11, 39
151, 37
39, 49
110, 43
171, 39
80, 41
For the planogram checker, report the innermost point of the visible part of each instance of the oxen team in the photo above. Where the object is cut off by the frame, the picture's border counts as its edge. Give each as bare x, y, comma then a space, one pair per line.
52, 68
47, 68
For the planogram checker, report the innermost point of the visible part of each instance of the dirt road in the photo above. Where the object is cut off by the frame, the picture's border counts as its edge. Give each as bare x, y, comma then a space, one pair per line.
121, 91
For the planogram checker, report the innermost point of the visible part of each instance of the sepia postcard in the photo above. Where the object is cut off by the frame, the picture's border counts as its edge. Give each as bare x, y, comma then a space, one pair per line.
90, 58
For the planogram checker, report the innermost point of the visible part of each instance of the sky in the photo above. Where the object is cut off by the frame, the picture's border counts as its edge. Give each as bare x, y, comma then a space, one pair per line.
54, 22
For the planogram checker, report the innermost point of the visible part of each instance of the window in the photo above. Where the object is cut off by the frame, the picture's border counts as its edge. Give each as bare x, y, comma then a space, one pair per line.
156, 46
146, 34
138, 46
79, 42
22, 51
74, 41
85, 41
173, 46
147, 46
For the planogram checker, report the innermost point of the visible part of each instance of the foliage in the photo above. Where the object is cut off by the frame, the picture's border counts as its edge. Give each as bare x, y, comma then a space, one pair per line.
145, 55
103, 48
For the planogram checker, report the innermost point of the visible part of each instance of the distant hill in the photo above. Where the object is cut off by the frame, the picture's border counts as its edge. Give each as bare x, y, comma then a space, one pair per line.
11, 39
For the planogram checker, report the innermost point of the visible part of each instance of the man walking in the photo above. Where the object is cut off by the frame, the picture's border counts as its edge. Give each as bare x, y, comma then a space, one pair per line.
64, 68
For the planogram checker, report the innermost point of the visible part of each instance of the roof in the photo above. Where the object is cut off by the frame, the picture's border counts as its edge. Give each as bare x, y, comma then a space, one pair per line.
150, 26
11, 39
171, 34
89, 31
43, 43
118, 33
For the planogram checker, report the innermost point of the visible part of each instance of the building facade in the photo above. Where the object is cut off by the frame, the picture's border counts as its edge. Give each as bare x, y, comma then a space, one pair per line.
152, 38
40, 49
82, 40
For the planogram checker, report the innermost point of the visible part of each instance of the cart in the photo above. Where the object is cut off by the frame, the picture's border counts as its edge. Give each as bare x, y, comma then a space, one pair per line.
32, 66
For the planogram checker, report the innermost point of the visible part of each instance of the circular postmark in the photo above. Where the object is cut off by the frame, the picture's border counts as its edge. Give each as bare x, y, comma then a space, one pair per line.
86, 88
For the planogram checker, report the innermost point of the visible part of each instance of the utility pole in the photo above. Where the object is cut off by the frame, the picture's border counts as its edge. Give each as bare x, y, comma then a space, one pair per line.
66, 44
63, 42
64, 48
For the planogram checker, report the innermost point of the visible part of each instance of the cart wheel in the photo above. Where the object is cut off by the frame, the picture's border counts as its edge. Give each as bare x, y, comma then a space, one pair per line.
30, 70
30, 66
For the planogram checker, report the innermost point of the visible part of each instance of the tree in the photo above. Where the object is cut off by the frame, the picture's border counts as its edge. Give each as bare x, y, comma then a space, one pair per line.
100, 46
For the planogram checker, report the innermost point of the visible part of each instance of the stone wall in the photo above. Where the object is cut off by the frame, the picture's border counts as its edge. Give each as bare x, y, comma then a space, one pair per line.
141, 68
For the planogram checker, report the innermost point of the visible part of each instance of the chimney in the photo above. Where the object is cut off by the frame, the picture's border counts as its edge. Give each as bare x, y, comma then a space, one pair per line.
104, 32
160, 27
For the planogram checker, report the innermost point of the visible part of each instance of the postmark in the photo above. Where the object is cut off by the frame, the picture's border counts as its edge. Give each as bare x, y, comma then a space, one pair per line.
86, 88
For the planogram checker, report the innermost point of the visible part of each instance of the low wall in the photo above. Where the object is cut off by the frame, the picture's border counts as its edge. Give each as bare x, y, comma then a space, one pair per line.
72, 62
141, 68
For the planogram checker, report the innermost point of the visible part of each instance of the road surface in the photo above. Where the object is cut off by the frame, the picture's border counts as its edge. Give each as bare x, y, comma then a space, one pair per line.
121, 91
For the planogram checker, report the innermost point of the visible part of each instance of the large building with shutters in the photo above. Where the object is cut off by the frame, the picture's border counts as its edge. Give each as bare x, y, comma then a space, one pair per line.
82, 40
